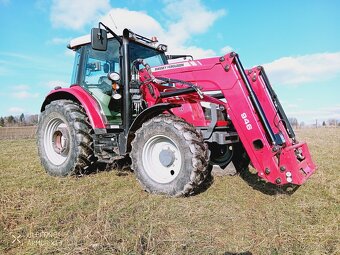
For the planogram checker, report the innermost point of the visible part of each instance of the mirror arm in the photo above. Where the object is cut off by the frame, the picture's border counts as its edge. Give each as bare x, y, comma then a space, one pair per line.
113, 33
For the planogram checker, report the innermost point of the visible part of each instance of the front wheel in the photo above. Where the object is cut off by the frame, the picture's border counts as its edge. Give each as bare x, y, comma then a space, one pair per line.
169, 156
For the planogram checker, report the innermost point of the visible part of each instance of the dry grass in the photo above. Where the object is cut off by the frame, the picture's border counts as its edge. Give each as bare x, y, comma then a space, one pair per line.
17, 132
105, 213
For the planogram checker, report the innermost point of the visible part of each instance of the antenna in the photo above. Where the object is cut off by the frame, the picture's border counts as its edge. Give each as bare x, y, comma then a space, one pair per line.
114, 23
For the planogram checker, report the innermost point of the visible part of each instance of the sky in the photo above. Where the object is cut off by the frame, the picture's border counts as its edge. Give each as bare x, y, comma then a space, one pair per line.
298, 43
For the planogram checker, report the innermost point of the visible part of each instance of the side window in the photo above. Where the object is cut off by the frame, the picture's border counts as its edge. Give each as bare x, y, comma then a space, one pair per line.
96, 71
97, 64
74, 79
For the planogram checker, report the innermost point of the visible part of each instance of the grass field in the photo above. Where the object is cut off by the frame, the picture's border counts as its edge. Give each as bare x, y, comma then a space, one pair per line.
108, 213
17, 132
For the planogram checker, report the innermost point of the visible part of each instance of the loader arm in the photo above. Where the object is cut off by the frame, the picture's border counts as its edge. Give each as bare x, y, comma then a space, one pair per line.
256, 114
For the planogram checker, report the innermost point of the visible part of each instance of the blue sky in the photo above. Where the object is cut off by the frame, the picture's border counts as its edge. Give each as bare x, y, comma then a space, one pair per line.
298, 42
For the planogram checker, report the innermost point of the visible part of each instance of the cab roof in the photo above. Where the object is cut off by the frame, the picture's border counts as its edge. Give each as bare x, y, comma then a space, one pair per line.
86, 39
82, 40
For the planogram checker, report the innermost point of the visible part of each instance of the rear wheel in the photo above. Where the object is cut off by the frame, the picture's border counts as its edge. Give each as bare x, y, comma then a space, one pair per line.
64, 139
169, 156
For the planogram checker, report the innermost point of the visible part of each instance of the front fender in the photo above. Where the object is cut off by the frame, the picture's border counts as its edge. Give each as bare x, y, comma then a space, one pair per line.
150, 113
144, 116
78, 94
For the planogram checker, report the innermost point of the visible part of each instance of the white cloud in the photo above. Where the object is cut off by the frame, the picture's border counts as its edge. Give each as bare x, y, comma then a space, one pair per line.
183, 23
76, 14
17, 55
24, 94
303, 69
22, 91
196, 52
53, 84
185, 18
188, 17
17, 61
138, 22
226, 49
321, 114
59, 40
16, 110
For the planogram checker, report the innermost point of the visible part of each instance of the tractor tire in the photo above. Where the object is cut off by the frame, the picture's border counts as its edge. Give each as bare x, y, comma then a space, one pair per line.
169, 156
64, 140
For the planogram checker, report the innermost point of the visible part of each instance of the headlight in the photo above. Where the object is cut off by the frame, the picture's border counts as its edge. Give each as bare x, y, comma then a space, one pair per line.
162, 47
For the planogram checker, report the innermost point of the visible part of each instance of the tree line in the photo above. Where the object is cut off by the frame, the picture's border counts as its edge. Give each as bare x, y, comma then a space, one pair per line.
19, 121
32, 120
326, 123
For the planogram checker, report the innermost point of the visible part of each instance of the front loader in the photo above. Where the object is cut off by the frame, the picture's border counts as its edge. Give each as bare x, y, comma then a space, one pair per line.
171, 122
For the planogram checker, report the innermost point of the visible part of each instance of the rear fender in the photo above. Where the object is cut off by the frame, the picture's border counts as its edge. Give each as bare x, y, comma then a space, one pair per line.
81, 96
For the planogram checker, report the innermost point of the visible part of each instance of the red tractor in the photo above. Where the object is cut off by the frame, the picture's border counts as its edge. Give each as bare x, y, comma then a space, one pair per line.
173, 122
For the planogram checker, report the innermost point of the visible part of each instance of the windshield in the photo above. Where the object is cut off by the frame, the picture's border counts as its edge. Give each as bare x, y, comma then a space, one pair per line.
151, 56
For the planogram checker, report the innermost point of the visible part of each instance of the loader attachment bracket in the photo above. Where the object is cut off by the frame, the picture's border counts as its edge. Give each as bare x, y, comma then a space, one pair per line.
207, 134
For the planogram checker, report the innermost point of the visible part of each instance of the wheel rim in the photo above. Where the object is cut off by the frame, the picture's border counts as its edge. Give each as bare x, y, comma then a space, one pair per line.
161, 159
57, 141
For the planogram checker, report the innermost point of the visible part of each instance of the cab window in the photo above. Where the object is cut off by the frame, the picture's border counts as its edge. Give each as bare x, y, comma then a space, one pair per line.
98, 64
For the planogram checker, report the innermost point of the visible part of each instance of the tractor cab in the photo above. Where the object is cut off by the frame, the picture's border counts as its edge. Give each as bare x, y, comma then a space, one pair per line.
100, 71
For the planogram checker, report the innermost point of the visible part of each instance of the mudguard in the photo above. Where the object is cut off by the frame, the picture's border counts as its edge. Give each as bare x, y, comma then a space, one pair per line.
145, 116
78, 94
150, 113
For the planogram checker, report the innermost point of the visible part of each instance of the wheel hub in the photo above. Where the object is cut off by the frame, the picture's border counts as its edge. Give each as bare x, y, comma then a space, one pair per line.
57, 142
60, 141
162, 159
167, 157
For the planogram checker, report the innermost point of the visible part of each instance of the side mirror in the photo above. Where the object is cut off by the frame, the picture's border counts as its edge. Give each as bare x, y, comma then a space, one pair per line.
99, 39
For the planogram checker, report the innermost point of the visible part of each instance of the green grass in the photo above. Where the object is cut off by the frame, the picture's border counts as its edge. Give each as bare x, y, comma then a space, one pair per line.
105, 213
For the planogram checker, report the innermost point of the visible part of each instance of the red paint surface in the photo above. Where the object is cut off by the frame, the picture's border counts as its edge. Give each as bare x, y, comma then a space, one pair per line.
89, 104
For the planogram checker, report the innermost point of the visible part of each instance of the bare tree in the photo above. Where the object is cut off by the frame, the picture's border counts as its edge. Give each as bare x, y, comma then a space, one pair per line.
331, 122
294, 122
22, 119
32, 119
10, 121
